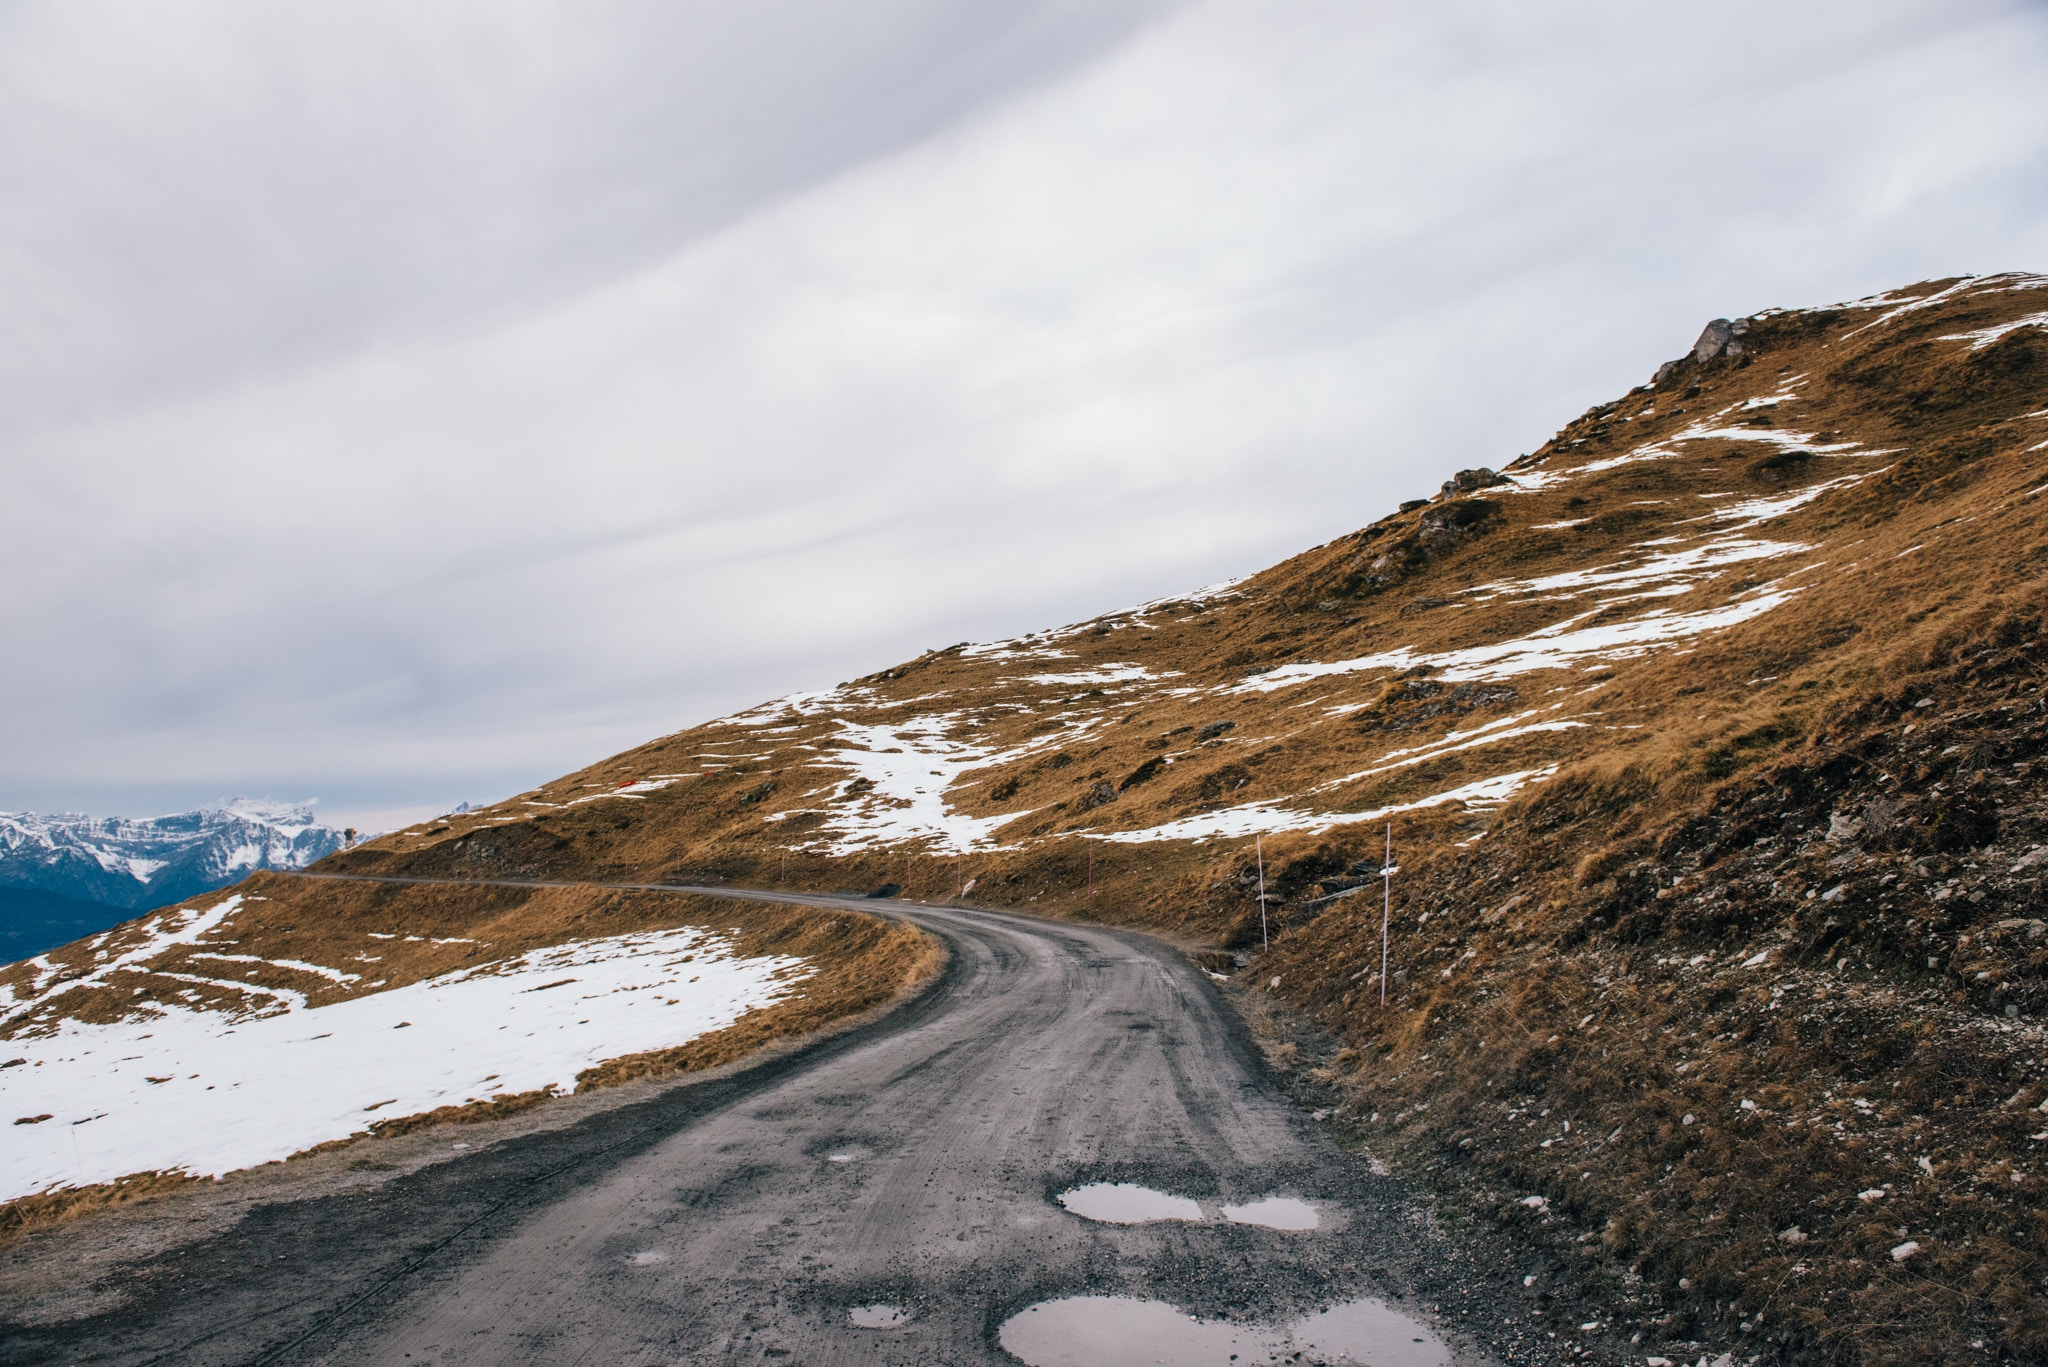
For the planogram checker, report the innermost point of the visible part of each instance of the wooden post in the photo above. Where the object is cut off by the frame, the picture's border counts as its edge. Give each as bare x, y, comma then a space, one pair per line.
1259, 846
1386, 908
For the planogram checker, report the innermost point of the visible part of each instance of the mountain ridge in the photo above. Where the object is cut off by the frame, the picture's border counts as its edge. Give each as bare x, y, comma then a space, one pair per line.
101, 868
128, 861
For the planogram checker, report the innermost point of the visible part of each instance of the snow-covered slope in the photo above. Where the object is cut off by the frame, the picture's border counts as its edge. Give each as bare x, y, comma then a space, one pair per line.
132, 864
206, 1091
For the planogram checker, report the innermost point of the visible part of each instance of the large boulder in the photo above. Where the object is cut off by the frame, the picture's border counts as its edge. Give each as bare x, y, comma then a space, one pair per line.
1718, 338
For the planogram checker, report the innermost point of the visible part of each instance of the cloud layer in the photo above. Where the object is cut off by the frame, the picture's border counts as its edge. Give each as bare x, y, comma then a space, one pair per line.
406, 403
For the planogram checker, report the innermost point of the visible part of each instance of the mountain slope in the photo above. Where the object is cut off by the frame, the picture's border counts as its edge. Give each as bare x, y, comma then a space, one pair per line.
65, 876
32, 921
1708, 733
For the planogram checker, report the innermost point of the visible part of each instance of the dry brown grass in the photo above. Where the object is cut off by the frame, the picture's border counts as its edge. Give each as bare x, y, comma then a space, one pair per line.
1862, 1051
55, 1207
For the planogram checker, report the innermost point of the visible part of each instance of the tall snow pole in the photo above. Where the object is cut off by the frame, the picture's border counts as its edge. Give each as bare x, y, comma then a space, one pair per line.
1259, 846
1387, 872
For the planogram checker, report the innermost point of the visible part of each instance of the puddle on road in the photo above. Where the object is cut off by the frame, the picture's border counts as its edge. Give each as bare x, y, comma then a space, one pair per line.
1120, 1331
1127, 1203
878, 1316
648, 1258
1367, 1331
851, 1153
1274, 1212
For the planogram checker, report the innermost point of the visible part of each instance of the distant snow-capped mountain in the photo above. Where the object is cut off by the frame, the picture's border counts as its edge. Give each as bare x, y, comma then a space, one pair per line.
133, 864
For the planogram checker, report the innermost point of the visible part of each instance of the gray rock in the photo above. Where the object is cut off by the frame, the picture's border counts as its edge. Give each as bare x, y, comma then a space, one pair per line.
1718, 339
1713, 340
1465, 481
1099, 794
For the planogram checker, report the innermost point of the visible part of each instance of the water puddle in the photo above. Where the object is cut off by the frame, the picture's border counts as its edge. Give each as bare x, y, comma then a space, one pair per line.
1127, 1203
648, 1258
1274, 1212
878, 1316
1119, 1331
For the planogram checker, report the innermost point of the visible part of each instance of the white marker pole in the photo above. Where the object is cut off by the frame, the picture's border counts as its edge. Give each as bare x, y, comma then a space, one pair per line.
1265, 940
1386, 908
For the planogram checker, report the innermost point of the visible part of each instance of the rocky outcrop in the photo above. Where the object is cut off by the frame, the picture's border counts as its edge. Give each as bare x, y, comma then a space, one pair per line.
1467, 481
1718, 338
1721, 337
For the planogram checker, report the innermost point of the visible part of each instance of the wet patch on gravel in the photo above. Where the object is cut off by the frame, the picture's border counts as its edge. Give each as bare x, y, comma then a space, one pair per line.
1128, 1203
1120, 1331
1275, 1212
880, 1315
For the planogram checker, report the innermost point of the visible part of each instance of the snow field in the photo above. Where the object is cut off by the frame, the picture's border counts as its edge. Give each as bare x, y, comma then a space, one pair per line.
207, 1094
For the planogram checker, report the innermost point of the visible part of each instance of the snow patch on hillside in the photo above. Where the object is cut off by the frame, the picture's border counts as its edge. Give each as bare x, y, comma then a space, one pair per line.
1492, 733
163, 931
1662, 573
1707, 430
207, 1093
1024, 649
904, 770
1264, 818
1984, 337
1108, 674
1563, 645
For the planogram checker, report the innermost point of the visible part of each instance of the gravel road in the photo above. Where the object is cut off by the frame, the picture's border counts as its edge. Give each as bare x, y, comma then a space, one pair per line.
914, 1163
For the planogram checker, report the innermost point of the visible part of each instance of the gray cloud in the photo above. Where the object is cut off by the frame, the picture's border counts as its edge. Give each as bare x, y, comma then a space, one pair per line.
410, 404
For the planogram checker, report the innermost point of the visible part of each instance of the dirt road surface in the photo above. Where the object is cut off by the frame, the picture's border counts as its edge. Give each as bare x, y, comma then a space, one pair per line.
913, 1163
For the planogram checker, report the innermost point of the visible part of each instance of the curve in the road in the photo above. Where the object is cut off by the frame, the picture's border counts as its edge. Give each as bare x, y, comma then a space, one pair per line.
912, 1163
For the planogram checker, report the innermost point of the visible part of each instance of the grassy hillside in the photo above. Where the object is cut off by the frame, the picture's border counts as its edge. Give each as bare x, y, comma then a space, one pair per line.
1709, 734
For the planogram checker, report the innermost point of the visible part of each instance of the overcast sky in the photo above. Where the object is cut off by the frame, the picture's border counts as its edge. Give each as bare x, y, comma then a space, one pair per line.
402, 403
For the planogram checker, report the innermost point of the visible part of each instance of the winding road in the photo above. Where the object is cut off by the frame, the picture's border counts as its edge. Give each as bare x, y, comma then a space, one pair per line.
914, 1162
